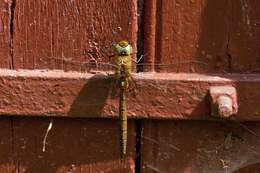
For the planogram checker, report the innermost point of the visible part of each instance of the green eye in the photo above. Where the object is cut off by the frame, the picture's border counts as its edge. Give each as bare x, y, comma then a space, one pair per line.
122, 50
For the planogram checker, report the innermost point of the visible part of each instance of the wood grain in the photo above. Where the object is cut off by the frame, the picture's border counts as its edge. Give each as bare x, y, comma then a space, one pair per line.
52, 34
190, 35
7, 164
157, 95
195, 147
244, 44
5, 34
78, 145
203, 36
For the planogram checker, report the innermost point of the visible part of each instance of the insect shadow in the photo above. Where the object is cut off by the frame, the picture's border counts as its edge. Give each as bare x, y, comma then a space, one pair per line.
93, 97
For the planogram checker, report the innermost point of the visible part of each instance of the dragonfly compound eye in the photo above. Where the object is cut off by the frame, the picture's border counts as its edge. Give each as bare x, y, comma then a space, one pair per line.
123, 48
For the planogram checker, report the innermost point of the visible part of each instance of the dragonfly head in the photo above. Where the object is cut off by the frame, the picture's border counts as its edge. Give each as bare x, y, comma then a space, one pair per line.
123, 48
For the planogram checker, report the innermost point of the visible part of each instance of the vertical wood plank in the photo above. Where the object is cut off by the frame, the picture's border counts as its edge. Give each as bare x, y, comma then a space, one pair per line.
56, 34
5, 34
191, 36
244, 44
202, 36
7, 164
149, 28
72, 145
196, 147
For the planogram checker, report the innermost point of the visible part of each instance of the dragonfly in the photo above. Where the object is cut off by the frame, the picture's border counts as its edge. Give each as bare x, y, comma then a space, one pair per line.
121, 63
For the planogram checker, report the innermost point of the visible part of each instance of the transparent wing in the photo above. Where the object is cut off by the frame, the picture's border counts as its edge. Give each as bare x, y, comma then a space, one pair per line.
106, 68
188, 66
220, 156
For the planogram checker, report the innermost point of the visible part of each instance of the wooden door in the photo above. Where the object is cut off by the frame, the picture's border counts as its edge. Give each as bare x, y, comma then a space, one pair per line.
53, 54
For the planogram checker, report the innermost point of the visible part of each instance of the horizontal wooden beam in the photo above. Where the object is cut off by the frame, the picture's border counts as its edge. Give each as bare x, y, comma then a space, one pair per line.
156, 95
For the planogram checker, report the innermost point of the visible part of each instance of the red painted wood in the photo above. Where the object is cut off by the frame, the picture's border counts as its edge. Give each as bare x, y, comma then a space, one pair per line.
158, 95
55, 34
254, 168
195, 36
5, 34
195, 147
7, 164
72, 145
244, 36
149, 29
214, 36
186, 32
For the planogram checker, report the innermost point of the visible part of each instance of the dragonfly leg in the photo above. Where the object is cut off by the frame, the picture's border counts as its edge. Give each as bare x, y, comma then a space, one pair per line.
132, 88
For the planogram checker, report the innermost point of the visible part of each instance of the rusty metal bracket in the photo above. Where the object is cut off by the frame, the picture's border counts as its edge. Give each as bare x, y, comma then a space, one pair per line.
223, 101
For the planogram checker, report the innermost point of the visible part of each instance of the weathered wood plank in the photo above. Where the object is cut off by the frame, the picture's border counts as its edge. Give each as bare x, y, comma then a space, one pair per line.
7, 164
188, 31
52, 34
202, 36
5, 34
72, 145
196, 147
157, 95
244, 43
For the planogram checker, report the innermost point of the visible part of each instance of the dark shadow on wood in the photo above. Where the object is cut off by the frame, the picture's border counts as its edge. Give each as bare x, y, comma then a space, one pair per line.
92, 97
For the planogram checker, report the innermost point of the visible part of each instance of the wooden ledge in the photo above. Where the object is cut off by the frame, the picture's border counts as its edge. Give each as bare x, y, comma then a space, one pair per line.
157, 96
